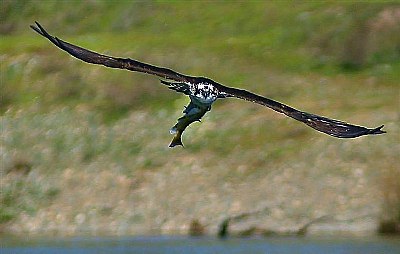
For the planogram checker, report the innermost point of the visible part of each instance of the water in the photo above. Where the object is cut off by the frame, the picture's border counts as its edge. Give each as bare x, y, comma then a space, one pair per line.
203, 245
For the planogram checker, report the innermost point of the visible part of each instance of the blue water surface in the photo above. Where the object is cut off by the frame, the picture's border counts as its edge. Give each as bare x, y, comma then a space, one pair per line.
203, 245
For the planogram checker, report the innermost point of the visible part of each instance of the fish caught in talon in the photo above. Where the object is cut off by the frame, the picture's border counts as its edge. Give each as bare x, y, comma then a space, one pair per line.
192, 113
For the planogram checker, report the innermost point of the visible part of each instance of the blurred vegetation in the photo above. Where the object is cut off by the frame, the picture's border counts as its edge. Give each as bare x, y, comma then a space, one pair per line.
336, 59
311, 37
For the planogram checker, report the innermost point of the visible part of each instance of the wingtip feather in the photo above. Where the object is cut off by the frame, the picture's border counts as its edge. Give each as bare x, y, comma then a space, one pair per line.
377, 130
40, 30
36, 29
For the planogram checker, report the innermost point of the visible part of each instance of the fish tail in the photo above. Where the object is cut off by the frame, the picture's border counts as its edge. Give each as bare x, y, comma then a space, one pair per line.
177, 140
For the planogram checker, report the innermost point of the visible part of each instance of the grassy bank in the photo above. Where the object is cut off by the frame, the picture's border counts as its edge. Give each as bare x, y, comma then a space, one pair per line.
84, 148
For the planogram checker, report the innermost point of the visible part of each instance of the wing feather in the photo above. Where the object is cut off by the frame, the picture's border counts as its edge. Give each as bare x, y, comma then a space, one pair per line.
109, 61
178, 87
326, 125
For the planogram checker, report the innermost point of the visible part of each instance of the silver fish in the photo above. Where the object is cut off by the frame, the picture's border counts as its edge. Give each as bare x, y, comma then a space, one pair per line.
193, 112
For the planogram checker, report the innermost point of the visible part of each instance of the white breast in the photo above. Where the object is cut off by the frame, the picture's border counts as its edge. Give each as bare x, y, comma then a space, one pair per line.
204, 93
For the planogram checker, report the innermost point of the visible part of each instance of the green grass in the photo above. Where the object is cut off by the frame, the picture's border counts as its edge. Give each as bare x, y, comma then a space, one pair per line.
60, 115
308, 38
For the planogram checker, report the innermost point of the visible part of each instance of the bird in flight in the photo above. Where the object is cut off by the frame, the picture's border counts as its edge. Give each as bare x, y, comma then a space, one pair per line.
203, 92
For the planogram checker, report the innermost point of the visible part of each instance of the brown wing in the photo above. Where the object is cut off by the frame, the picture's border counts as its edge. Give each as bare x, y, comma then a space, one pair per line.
331, 127
113, 62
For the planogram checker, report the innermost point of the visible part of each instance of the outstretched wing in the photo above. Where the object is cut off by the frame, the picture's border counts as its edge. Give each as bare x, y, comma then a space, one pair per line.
113, 62
331, 127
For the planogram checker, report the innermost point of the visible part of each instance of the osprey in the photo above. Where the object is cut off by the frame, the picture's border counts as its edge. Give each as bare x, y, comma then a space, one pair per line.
203, 92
